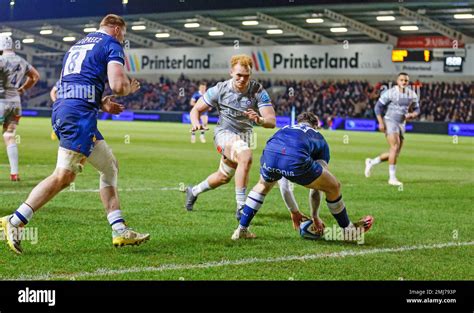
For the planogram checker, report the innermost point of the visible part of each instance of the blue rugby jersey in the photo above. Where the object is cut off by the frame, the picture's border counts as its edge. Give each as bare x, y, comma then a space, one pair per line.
84, 72
196, 96
299, 141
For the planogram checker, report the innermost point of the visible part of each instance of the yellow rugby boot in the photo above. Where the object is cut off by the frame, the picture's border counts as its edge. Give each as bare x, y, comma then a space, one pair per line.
128, 237
11, 234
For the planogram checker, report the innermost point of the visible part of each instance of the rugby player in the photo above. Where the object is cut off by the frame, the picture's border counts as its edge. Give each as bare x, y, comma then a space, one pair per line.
301, 154
13, 69
398, 101
86, 67
235, 100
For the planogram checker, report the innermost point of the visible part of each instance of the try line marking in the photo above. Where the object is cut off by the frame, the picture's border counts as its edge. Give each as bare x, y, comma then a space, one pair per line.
68, 190
170, 267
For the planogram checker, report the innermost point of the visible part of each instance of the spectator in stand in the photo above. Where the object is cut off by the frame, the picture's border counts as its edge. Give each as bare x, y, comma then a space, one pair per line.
439, 102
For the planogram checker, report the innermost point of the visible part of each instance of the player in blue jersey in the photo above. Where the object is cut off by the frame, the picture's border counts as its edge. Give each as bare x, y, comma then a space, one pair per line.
86, 67
300, 154
204, 117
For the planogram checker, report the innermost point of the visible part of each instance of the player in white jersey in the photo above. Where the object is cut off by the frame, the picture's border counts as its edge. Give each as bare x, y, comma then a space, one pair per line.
235, 100
13, 69
398, 101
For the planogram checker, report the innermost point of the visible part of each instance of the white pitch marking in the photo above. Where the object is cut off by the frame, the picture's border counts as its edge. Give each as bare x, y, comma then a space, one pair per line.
8, 192
168, 267
11, 192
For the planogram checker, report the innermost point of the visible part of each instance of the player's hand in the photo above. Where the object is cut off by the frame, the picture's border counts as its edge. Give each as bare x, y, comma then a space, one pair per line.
134, 85
21, 91
110, 106
297, 218
382, 127
253, 116
318, 225
198, 127
409, 116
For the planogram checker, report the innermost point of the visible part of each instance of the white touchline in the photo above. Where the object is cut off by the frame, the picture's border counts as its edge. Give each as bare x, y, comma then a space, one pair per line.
168, 267
30, 165
8, 192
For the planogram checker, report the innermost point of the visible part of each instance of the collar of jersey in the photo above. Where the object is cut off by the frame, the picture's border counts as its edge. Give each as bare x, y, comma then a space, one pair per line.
309, 126
105, 33
102, 31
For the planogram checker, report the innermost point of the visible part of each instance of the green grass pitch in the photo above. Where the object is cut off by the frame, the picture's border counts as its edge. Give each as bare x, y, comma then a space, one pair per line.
411, 238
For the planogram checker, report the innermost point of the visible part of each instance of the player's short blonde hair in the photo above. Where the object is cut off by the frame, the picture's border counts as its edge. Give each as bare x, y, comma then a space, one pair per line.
113, 20
241, 59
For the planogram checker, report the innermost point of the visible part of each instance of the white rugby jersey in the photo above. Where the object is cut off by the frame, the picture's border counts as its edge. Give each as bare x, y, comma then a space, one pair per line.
13, 69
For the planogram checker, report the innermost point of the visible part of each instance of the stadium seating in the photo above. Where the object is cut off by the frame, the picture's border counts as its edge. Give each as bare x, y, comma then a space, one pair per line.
440, 101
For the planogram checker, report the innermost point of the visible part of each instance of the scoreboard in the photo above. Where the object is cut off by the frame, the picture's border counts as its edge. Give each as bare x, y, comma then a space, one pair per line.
404, 55
453, 64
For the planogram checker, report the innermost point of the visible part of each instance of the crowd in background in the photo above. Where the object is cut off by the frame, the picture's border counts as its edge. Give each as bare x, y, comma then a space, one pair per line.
40, 88
440, 101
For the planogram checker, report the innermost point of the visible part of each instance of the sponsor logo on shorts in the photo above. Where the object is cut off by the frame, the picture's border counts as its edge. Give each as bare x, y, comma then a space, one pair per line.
278, 171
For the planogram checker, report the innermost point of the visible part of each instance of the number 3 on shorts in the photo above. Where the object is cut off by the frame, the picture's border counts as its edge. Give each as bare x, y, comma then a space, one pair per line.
76, 56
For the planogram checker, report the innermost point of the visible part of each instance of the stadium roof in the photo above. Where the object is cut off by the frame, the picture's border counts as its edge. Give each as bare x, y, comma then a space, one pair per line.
356, 23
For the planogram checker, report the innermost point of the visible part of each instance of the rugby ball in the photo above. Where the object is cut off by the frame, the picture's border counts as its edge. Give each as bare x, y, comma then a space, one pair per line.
307, 230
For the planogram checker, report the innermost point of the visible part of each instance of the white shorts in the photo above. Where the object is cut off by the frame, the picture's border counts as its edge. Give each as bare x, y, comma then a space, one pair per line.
392, 127
222, 137
10, 112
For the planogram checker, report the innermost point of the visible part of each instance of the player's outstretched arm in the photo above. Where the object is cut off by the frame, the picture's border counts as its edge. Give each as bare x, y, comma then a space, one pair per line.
289, 198
195, 114
267, 118
119, 82
32, 77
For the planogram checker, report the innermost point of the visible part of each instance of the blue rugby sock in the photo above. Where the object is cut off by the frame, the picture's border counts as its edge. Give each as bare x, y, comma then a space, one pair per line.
253, 202
338, 210
342, 218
